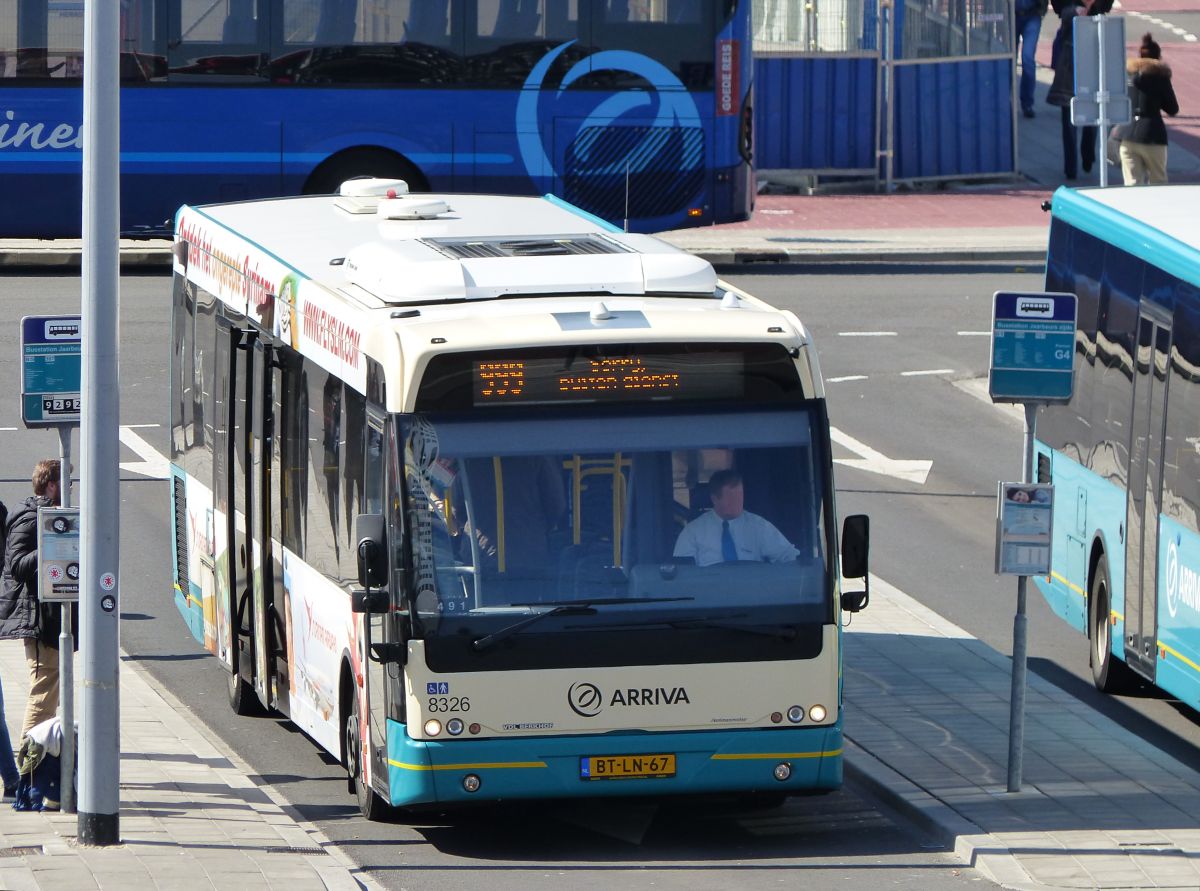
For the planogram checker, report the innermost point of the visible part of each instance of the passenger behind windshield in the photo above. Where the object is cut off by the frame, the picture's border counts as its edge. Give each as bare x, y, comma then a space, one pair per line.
729, 533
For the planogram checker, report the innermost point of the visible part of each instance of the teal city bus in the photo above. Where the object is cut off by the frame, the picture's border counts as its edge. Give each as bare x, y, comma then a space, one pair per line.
1124, 454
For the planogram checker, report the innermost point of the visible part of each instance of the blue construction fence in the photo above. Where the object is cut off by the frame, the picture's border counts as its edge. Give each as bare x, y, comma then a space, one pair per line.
823, 89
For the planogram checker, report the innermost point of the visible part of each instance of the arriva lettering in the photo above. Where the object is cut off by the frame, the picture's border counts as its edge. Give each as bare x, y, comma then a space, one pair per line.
19, 134
650, 696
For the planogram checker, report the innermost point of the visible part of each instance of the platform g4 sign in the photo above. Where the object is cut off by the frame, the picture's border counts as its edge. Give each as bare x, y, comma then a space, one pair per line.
51, 370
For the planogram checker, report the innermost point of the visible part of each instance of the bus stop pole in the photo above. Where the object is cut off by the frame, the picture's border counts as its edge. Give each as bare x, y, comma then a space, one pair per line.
66, 650
99, 539
1016, 718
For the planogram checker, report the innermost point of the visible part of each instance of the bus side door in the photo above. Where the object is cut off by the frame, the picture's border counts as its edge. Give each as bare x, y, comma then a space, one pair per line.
1144, 498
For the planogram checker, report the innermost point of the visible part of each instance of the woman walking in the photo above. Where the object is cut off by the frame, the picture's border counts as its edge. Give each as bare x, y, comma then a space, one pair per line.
1144, 146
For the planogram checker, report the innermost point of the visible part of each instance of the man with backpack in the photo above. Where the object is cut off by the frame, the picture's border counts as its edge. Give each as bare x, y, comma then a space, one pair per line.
22, 615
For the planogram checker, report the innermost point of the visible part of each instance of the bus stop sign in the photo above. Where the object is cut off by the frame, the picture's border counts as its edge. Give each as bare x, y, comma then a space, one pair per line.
51, 370
1033, 347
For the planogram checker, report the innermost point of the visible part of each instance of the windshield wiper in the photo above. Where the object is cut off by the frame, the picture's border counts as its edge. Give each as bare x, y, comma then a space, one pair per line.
560, 608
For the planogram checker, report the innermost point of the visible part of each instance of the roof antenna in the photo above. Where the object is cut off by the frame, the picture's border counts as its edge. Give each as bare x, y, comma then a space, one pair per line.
626, 195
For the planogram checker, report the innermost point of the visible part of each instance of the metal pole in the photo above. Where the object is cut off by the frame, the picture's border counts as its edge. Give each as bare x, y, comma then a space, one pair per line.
1016, 97
1102, 102
99, 741
1016, 718
66, 650
889, 73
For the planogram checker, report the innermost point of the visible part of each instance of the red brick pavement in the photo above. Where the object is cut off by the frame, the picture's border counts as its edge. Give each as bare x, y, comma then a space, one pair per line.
978, 208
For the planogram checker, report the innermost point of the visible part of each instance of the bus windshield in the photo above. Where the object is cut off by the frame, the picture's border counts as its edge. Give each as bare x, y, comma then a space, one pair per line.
648, 521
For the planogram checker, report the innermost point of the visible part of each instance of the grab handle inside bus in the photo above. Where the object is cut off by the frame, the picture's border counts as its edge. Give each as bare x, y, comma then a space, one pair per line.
856, 542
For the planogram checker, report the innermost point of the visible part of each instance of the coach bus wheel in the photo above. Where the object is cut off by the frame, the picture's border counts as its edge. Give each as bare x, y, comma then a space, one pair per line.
242, 698
377, 162
370, 804
1108, 673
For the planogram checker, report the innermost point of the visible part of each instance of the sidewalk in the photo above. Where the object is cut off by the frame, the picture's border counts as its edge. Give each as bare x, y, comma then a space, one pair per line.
190, 816
927, 709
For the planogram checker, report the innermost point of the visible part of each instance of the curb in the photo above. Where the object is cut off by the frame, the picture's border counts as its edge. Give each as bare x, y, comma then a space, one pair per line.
159, 257
874, 256
334, 868
970, 844
58, 258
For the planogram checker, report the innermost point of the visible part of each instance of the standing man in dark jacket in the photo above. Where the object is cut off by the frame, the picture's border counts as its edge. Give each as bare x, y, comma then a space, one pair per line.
1144, 147
1029, 15
22, 616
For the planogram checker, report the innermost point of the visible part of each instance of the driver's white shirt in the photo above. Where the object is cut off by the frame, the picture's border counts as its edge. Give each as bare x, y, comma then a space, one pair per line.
754, 538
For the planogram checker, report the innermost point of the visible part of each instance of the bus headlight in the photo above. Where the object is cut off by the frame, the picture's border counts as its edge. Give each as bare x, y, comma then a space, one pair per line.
454, 726
796, 714
817, 713
433, 727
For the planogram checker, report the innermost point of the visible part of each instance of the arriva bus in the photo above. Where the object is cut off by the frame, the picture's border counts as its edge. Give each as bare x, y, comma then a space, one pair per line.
1124, 455
494, 500
631, 109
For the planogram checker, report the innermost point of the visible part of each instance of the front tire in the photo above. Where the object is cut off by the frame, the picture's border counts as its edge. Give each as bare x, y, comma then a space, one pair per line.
370, 804
1109, 674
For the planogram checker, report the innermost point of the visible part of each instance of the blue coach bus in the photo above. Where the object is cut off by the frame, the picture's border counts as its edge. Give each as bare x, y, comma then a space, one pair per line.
1124, 455
635, 110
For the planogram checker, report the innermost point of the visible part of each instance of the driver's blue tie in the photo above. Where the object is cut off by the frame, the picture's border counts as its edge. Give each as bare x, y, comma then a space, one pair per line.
728, 551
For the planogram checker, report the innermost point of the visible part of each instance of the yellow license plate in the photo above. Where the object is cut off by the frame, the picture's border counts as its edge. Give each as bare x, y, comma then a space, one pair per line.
626, 767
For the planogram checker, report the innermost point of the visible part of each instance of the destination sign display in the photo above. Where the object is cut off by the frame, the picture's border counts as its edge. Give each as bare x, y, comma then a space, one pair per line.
607, 378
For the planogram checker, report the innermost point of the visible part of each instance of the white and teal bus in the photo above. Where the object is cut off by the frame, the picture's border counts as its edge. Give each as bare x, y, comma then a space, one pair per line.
432, 457
1124, 455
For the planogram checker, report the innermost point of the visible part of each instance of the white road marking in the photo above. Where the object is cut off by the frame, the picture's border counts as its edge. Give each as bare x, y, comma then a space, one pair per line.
974, 333
152, 464
1155, 20
141, 426
912, 471
849, 377
866, 334
930, 371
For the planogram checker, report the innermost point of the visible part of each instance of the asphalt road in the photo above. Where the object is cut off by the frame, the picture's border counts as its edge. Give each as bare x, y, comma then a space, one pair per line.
905, 358
845, 839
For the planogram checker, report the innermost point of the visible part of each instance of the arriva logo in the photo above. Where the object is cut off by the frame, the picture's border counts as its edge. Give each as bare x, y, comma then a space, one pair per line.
1183, 582
18, 134
586, 700
673, 105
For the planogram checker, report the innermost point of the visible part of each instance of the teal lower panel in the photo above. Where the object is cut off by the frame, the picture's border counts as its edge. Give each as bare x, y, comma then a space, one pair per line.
548, 767
192, 611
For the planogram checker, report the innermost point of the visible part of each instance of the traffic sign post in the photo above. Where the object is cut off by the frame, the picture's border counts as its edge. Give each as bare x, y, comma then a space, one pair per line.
1100, 97
51, 382
1032, 362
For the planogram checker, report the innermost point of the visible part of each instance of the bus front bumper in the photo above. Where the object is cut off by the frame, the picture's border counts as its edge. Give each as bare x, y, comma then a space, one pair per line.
550, 767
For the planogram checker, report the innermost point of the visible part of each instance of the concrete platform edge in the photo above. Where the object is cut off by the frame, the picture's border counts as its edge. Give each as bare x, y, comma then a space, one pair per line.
971, 845
34, 258
336, 870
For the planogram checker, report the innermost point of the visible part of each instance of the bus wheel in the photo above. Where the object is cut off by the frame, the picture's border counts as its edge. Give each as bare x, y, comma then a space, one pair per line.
242, 698
377, 162
1109, 674
370, 804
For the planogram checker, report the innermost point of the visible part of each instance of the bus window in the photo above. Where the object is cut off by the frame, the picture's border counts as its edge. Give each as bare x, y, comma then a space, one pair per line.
509, 21
219, 39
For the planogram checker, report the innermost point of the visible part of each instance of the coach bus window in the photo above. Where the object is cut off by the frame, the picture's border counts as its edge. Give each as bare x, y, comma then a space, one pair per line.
359, 42
218, 39
678, 34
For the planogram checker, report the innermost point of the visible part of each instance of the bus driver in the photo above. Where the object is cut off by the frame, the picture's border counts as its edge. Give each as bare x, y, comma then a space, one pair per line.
728, 532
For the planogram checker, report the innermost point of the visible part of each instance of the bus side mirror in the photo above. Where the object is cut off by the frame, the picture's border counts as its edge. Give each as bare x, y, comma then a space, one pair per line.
856, 542
371, 535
